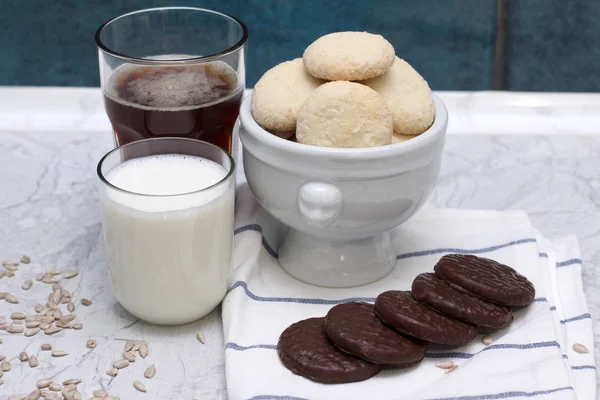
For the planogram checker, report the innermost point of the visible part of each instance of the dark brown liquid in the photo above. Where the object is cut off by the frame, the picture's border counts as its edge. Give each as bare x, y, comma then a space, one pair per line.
195, 101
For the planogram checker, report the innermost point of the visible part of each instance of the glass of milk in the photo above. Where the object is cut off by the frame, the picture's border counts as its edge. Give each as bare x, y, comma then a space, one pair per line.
167, 215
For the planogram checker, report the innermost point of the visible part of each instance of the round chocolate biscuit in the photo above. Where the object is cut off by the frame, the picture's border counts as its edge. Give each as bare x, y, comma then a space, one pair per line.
305, 350
435, 293
486, 279
354, 328
399, 310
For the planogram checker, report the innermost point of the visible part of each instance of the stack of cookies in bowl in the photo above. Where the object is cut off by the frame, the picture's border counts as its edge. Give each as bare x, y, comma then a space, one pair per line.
349, 90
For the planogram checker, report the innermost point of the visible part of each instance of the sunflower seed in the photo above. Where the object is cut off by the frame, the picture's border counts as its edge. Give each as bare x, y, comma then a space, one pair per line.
44, 326
65, 299
53, 272
112, 372
11, 299
10, 262
10, 274
47, 318
56, 286
59, 353
91, 344
49, 279
17, 397
15, 329
5, 366
32, 324
137, 345
139, 386
71, 274
58, 314
52, 329
11, 267
4, 326
120, 364
43, 383
25, 259
33, 362
143, 350
100, 394
23, 356
2, 358
55, 387
129, 356
86, 302
17, 315
27, 284
2, 273
34, 395
487, 340
46, 346
33, 318
452, 368
49, 395
581, 349
32, 332
39, 276
77, 326
68, 317
200, 336
150, 372
71, 307
129, 345
73, 381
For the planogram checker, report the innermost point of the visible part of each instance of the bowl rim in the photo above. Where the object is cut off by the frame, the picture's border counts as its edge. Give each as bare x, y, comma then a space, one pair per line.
435, 132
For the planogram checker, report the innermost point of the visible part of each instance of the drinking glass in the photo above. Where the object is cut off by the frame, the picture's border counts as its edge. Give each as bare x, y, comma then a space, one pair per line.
173, 71
168, 255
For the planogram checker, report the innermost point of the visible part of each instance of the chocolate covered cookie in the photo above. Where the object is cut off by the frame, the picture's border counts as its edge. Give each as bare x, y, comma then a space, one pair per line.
305, 350
486, 279
399, 310
354, 328
435, 293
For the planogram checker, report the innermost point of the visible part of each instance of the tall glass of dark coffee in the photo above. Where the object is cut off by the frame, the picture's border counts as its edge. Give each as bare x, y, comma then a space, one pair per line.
173, 71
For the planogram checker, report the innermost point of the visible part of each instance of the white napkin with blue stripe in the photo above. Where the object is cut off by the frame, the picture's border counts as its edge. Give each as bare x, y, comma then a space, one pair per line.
531, 359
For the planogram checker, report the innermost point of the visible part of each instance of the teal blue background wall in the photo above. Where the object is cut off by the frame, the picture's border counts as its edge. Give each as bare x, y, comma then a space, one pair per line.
550, 45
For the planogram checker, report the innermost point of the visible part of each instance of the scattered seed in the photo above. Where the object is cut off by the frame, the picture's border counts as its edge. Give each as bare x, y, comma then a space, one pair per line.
100, 394
46, 346
53, 272
2, 273
33, 362
58, 314
452, 368
581, 349
34, 395
56, 286
200, 337
32, 332
49, 395
17, 315
120, 364
4, 326
27, 284
52, 329
23, 356
2, 358
44, 383
44, 326
91, 344
17, 322
55, 387
86, 302
49, 280
47, 318
17, 397
11, 299
150, 372
143, 350
112, 372
15, 329
3, 295
68, 317
65, 300
71, 307
77, 326
5, 366
139, 386
73, 381
69, 392
32, 324
59, 353
129, 345
487, 340
10, 267
137, 345
25, 259
71, 274
39, 276
10, 274
129, 356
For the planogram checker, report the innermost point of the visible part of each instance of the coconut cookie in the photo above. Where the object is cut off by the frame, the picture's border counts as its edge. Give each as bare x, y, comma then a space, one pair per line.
398, 138
344, 114
408, 96
348, 56
279, 94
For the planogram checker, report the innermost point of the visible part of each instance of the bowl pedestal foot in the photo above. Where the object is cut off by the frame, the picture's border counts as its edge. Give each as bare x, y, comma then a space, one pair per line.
334, 263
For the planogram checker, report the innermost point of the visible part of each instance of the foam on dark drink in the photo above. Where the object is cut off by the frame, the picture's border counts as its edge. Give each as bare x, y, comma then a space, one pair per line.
198, 101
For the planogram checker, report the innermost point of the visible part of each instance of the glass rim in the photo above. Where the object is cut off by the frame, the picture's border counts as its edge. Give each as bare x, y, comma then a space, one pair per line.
137, 60
201, 142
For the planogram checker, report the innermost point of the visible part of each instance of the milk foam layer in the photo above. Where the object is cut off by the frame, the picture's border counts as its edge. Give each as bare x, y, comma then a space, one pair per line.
176, 176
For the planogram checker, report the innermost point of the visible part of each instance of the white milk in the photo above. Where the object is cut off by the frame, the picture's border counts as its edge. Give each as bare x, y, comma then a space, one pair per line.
169, 256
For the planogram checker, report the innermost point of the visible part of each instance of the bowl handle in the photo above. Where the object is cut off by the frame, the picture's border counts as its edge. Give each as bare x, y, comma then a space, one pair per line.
319, 203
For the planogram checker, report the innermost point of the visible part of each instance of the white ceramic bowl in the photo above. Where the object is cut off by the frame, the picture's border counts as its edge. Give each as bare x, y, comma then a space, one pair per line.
340, 203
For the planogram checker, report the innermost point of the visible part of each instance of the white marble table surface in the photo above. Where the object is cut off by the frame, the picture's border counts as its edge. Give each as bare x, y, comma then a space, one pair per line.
537, 152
